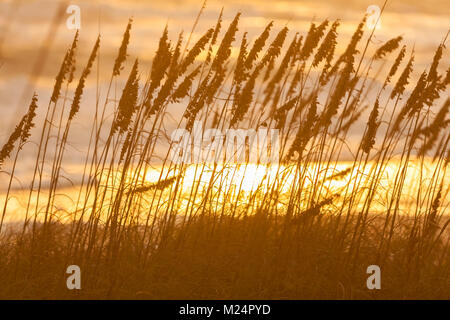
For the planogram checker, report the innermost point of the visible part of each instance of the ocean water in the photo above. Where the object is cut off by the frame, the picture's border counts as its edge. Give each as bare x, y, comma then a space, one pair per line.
236, 185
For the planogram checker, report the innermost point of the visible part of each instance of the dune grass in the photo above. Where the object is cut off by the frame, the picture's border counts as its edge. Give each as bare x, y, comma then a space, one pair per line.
299, 232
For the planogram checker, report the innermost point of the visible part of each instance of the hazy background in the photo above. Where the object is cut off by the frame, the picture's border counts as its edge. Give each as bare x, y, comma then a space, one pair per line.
33, 39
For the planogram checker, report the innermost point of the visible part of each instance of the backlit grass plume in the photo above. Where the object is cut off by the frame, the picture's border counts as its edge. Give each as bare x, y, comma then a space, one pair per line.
122, 55
81, 83
21, 133
127, 102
